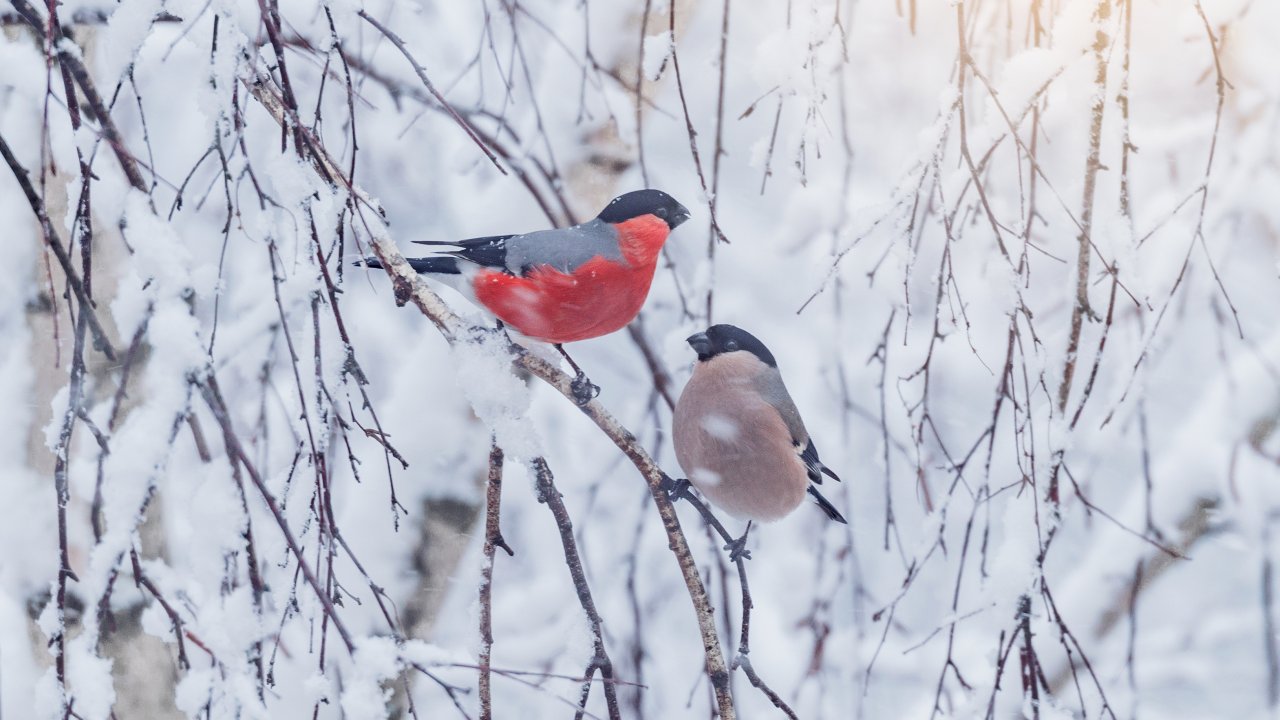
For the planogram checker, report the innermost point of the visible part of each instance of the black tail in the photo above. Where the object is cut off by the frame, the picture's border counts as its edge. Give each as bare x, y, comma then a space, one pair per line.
488, 251
440, 265
826, 506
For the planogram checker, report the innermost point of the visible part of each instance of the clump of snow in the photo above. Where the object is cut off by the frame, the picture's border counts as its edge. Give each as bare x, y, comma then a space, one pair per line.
376, 659
500, 398
1012, 566
130, 24
89, 676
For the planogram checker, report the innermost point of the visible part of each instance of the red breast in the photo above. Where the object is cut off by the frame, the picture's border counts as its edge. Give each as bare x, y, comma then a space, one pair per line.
597, 298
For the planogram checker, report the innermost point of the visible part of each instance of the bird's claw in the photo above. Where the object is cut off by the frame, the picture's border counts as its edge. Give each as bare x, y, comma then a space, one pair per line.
584, 391
738, 549
675, 489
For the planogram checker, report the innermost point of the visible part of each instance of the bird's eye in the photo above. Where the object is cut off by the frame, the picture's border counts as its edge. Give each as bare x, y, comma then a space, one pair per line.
731, 345
660, 212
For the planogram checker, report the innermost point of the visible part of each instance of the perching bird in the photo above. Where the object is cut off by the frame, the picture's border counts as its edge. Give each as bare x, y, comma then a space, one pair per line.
567, 284
738, 435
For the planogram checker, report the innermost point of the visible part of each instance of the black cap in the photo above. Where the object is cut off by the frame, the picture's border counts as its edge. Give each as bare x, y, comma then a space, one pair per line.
645, 202
721, 339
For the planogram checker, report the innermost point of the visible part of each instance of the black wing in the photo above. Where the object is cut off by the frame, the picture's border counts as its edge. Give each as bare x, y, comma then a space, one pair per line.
486, 251
814, 465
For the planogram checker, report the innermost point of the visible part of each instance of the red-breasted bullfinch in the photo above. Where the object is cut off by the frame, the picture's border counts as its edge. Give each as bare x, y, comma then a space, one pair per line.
565, 284
738, 435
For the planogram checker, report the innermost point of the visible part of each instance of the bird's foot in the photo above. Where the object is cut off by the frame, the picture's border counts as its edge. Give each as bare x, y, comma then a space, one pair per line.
675, 489
738, 549
584, 391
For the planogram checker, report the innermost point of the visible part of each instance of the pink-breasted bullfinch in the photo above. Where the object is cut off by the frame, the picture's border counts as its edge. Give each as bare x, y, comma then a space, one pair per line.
565, 284
738, 435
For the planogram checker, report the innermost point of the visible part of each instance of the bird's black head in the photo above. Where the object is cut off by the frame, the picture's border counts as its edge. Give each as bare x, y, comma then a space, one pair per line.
721, 339
645, 202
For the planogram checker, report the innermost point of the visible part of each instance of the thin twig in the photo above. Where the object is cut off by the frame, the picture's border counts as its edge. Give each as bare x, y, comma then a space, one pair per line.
422, 75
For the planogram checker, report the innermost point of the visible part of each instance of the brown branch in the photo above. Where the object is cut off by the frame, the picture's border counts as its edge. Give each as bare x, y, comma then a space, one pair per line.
744, 636
492, 541
548, 494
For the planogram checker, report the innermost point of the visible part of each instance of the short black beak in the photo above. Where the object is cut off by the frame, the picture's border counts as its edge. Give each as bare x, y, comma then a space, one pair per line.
681, 214
701, 344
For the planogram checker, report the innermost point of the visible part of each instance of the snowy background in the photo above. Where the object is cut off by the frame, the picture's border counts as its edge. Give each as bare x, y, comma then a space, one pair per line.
1017, 260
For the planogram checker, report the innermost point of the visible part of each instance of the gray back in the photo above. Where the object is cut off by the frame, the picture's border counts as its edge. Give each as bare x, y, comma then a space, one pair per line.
564, 249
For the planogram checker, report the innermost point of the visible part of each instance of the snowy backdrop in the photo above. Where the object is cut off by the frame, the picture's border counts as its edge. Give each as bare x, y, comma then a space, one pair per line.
1017, 260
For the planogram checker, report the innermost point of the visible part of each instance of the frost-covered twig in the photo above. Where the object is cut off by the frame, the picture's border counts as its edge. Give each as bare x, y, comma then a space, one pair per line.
716, 231
422, 75
62, 493
714, 234
1093, 164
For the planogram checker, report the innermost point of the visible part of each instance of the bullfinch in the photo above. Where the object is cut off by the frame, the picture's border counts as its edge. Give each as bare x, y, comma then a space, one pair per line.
739, 437
564, 284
